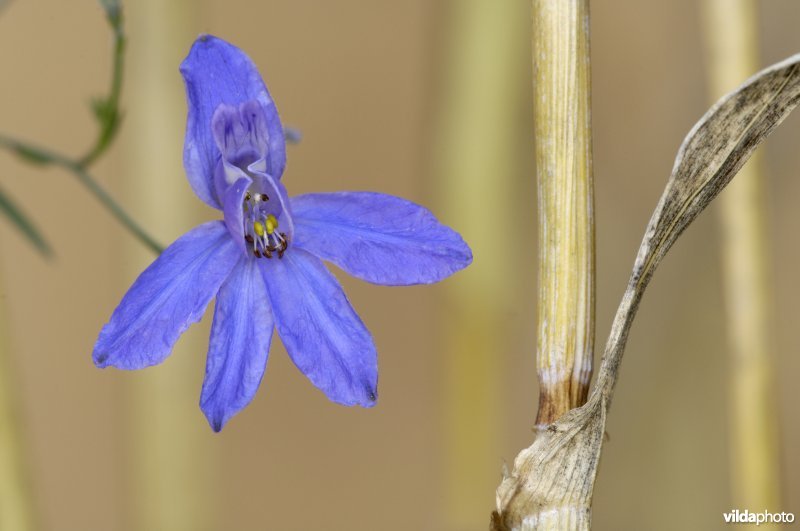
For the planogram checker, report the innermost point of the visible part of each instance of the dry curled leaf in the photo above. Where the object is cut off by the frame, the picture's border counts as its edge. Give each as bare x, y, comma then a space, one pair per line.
551, 484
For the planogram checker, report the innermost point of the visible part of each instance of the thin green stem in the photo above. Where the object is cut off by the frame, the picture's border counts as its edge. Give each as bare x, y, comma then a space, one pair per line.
107, 109
116, 210
45, 156
108, 115
18, 218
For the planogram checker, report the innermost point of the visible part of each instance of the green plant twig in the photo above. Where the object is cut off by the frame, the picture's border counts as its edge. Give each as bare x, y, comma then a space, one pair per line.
16, 216
44, 156
106, 109
107, 113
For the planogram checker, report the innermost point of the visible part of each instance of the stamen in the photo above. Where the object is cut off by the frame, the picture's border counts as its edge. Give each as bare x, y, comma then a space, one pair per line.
261, 228
272, 224
282, 245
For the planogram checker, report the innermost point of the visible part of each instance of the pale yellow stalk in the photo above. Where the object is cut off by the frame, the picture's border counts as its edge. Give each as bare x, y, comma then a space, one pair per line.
476, 162
552, 482
731, 31
562, 116
561, 104
169, 440
16, 511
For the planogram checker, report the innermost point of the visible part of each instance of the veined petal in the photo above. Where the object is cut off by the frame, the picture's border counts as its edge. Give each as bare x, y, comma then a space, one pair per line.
239, 344
232, 208
241, 133
379, 238
215, 73
171, 294
320, 330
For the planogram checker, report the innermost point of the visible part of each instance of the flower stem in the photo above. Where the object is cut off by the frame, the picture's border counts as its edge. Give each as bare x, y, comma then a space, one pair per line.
561, 105
40, 155
107, 109
566, 219
108, 116
755, 479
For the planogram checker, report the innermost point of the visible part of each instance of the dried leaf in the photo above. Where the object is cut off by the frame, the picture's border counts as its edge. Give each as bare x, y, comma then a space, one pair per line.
713, 151
552, 481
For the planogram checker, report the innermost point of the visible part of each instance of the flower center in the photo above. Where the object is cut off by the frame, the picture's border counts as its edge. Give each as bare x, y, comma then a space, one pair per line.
261, 227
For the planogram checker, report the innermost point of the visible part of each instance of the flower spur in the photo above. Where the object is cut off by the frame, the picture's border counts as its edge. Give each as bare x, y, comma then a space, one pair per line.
263, 262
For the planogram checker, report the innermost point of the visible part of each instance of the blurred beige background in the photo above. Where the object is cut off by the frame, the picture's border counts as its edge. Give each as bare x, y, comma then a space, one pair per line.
364, 82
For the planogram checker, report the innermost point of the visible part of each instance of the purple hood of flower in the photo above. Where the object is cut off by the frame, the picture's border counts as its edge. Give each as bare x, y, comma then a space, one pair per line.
263, 263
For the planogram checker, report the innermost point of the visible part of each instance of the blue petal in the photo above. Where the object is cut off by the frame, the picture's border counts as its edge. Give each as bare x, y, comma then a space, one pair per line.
320, 330
216, 72
237, 351
241, 133
232, 208
167, 297
378, 238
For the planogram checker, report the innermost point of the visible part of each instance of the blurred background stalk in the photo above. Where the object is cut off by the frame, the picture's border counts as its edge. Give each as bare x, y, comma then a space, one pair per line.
561, 99
169, 441
16, 507
731, 34
477, 159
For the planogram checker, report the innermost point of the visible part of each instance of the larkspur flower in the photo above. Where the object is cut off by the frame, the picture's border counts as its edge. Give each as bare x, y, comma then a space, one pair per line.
263, 262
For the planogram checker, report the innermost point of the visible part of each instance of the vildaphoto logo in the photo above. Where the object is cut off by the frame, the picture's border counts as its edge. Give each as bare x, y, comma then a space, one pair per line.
746, 517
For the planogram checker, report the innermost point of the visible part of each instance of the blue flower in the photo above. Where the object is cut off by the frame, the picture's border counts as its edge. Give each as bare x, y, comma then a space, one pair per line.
263, 261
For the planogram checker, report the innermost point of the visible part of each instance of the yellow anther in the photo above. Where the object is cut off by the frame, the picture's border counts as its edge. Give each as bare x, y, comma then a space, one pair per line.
259, 228
272, 224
